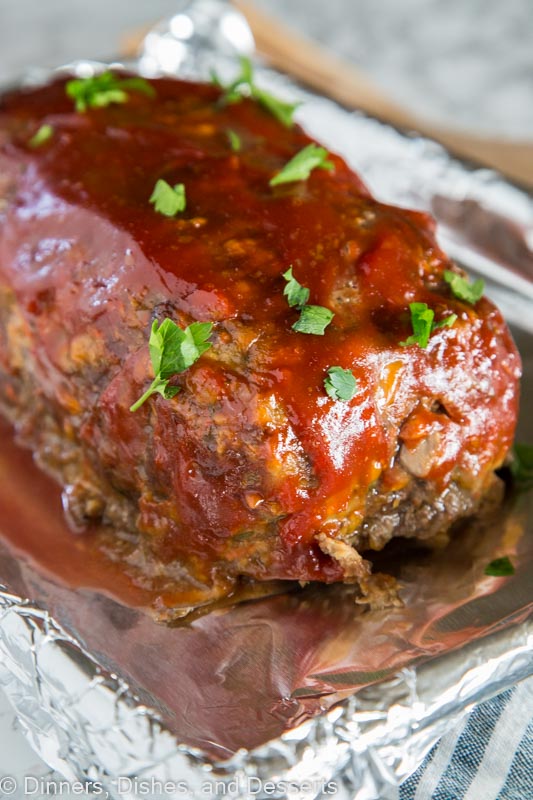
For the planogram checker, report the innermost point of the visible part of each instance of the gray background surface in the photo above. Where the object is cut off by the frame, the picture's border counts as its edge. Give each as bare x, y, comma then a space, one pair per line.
468, 63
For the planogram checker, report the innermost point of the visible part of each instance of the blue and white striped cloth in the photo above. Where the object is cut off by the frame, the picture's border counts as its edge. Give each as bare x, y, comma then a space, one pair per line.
487, 756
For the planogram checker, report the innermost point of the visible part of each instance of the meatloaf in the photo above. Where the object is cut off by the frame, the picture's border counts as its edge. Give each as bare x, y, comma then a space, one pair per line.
349, 386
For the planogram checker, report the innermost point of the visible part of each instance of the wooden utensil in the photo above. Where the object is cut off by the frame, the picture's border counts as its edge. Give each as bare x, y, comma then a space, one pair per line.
311, 64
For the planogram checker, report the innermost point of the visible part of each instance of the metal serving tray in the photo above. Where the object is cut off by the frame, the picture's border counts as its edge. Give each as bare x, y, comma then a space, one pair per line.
306, 689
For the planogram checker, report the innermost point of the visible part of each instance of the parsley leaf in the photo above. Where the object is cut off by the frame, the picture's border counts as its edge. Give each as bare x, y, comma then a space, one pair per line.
234, 141
279, 109
302, 164
463, 289
500, 567
103, 89
448, 322
422, 322
313, 319
245, 78
340, 384
215, 79
44, 133
173, 350
296, 294
168, 200
522, 466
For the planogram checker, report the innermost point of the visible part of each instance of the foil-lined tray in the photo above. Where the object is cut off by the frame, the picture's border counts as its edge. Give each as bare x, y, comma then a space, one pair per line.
303, 691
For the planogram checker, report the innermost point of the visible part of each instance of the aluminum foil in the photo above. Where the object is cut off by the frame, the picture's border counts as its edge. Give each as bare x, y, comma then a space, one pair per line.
303, 694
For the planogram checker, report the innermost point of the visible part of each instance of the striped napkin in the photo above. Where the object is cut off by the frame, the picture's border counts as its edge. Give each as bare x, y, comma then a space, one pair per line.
487, 756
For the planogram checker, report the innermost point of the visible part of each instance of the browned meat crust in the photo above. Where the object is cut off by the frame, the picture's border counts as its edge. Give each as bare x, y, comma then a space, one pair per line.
251, 469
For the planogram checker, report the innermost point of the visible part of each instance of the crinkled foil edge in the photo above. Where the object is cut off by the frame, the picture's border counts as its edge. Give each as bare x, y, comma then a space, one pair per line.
87, 724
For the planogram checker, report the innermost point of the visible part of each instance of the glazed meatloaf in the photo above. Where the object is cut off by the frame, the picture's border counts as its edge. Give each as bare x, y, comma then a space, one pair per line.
231, 355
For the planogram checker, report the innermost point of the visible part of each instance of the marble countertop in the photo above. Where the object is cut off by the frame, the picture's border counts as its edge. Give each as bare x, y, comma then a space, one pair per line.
465, 64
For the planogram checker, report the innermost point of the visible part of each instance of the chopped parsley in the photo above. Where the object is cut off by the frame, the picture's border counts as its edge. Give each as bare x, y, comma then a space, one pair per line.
279, 109
340, 384
168, 200
522, 466
103, 89
423, 324
302, 164
500, 567
296, 294
234, 141
44, 133
215, 80
173, 350
463, 289
313, 319
243, 80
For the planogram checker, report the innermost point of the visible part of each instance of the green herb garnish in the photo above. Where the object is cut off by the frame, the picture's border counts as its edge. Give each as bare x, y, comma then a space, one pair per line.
279, 109
296, 294
422, 322
302, 164
463, 289
103, 89
313, 319
234, 141
44, 133
522, 466
215, 79
173, 350
168, 200
243, 80
500, 567
340, 384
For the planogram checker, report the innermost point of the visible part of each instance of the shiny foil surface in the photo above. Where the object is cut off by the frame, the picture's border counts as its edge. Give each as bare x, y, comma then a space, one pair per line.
305, 688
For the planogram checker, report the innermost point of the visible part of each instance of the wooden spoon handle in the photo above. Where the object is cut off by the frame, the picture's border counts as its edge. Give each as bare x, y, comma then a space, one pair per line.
296, 55
310, 63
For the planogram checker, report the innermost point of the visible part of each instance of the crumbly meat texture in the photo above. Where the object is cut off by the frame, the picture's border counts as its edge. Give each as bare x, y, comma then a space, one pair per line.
251, 469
